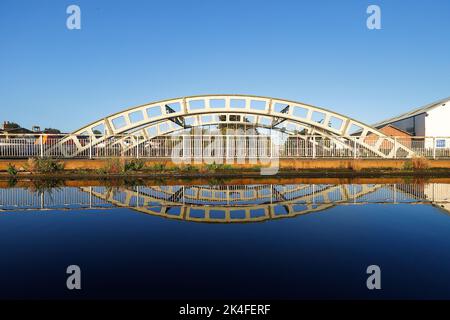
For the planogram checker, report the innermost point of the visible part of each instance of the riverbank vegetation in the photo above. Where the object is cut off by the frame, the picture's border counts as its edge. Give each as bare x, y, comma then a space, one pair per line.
130, 166
104, 168
43, 165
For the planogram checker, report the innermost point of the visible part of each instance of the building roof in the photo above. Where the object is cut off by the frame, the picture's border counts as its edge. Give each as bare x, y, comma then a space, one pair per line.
413, 113
16, 130
393, 127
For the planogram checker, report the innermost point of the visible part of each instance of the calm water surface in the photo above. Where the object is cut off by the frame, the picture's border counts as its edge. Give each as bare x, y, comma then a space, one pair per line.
226, 241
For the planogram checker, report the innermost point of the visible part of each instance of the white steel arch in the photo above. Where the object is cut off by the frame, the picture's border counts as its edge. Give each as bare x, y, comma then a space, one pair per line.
165, 116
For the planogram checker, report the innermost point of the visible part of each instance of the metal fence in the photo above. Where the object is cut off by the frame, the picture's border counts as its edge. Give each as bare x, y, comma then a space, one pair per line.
219, 146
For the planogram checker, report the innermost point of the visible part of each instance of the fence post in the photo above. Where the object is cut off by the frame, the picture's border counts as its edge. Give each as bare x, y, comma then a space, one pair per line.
434, 147
90, 147
227, 149
183, 153
41, 145
395, 147
137, 147
271, 146
314, 147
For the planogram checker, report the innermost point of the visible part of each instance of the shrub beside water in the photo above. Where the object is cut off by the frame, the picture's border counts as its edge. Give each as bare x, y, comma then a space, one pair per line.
159, 167
189, 168
417, 163
134, 165
11, 169
44, 165
213, 167
112, 166
420, 163
407, 165
121, 165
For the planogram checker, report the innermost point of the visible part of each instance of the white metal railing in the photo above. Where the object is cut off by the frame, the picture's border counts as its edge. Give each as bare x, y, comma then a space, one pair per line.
226, 147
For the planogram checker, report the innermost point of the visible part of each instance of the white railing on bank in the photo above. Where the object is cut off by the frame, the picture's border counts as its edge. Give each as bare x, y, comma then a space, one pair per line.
216, 146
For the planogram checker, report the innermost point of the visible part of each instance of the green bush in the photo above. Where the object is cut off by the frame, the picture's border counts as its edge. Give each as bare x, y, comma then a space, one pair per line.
160, 167
408, 165
111, 166
45, 165
189, 168
213, 167
134, 165
416, 163
11, 169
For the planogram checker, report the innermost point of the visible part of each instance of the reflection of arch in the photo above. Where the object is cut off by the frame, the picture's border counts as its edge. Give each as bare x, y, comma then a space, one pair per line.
249, 203
174, 202
162, 117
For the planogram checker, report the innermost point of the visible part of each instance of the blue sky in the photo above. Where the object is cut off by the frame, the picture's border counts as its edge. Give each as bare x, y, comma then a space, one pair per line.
133, 52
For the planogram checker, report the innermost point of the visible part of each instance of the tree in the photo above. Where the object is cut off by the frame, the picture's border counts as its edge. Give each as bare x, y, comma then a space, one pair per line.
10, 125
51, 130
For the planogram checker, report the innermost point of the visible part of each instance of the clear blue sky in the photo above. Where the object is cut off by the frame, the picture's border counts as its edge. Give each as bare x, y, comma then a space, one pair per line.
132, 52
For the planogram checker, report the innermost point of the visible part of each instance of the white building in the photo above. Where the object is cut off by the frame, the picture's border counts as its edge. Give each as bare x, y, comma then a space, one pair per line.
432, 120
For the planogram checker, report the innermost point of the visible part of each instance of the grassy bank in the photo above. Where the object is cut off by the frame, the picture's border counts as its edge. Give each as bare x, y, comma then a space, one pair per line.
140, 168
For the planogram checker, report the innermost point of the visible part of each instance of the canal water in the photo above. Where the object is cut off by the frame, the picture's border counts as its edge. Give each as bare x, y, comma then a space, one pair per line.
219, 240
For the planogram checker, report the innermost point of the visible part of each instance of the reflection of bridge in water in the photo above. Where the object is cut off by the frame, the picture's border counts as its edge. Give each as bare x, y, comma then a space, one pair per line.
235, 203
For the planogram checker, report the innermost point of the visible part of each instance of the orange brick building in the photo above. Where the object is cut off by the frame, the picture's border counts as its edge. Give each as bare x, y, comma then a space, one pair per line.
403, 137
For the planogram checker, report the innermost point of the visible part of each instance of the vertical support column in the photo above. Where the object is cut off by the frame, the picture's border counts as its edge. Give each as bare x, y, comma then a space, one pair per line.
209, 155
434, 147
314, 147
227, 149
41, 145
90, 147
272, 147
395, 147
183, 152
137, 147
355, 149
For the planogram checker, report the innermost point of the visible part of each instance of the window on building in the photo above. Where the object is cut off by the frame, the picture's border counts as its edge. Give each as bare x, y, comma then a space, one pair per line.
440, 143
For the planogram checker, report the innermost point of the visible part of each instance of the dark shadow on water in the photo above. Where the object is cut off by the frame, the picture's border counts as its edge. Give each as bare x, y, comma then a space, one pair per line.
214, 240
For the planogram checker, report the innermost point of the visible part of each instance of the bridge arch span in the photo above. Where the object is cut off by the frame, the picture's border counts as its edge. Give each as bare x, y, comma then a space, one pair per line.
165, 116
